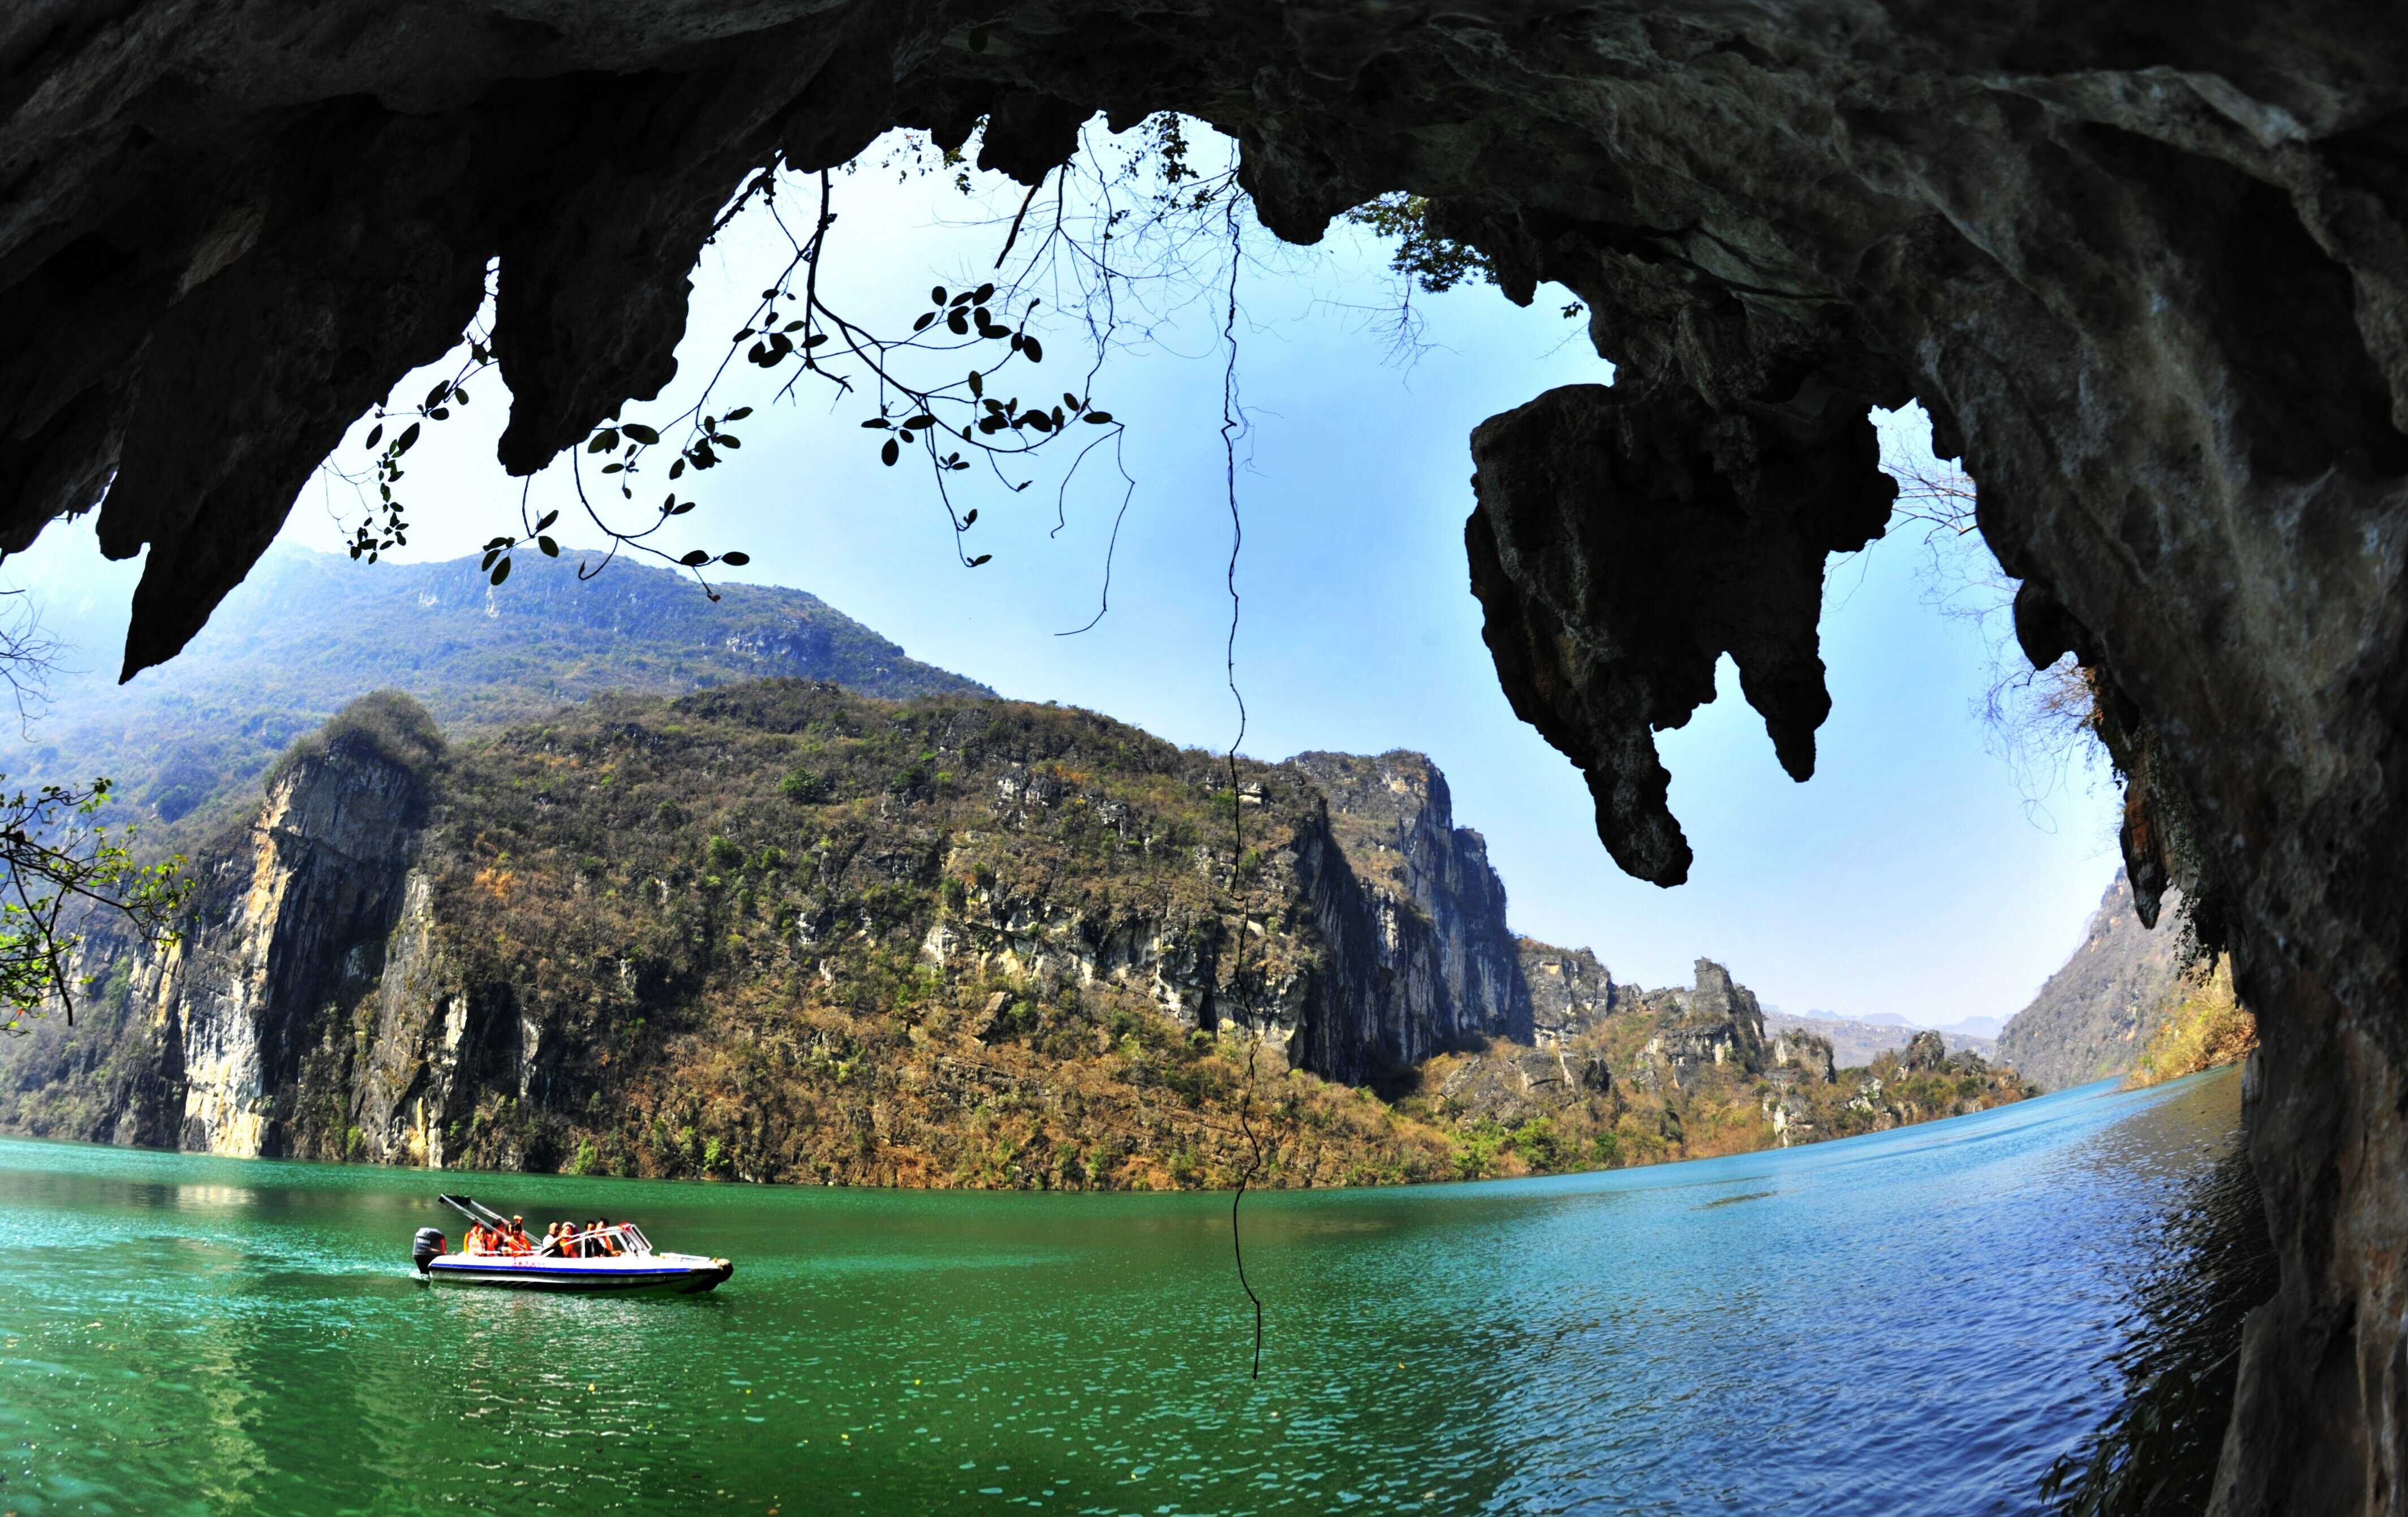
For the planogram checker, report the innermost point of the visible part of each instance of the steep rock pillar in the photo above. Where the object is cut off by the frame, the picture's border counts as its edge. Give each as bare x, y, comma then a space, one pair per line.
291, 920
1446, 967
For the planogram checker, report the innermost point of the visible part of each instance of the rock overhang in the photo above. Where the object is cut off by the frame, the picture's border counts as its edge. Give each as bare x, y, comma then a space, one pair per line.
2145, 269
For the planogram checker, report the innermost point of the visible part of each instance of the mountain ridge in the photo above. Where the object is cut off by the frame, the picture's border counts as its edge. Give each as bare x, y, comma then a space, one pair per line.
784, 932
730, 925
310, 632
2093, 1017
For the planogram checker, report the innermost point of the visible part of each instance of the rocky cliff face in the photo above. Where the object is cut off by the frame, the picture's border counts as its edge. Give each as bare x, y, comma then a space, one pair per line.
1683, 1073
1569, 990
1437, 910
1715, 1023
435, 963
219, 1043
2094, 1016
290, 931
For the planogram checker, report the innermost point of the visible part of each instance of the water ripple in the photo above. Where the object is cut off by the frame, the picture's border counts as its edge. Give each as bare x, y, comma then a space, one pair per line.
1917, 1321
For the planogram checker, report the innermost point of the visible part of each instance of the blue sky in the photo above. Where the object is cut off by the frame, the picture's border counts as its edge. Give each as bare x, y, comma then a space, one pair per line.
1915, 875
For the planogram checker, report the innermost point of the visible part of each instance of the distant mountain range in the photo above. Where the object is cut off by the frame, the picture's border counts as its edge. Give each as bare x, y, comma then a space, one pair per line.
1861, 1039
309, 632
1963, 1027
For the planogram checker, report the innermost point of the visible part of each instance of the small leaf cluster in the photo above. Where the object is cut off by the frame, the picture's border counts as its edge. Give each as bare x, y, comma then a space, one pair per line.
1432, 264
385, 527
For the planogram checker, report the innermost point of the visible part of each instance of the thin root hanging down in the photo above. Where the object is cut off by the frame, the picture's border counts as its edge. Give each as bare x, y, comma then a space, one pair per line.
1230, 427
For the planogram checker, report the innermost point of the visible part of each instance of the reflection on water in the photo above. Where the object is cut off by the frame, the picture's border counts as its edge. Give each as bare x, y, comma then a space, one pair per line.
1921, 1321
2157, 1452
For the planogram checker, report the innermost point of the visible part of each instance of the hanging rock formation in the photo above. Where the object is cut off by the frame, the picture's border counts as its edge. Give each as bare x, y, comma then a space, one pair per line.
2144, 266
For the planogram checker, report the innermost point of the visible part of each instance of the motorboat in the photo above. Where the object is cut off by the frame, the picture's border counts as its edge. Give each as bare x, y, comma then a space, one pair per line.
615, 1260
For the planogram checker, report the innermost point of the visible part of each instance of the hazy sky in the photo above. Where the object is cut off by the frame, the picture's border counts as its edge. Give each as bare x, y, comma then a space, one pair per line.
1915, 874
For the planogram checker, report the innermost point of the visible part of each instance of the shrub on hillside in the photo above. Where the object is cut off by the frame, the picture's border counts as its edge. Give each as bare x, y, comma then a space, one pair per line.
382, 724
2207, 1028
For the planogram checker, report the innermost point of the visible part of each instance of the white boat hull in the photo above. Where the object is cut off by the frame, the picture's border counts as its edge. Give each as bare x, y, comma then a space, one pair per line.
683, 1274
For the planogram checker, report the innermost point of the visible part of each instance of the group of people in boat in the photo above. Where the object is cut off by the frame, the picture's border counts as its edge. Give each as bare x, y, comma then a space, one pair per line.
561, 1241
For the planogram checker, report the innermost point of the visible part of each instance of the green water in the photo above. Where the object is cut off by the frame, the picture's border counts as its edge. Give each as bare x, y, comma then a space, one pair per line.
1920, 1321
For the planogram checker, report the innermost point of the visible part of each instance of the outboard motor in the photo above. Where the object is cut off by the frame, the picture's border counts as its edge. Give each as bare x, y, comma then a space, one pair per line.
429, 1244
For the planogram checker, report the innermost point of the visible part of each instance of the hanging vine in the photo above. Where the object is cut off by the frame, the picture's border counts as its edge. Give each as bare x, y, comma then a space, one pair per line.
950, 392
1230, 427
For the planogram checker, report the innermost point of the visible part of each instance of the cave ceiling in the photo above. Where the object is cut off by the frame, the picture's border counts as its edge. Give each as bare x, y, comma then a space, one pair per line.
2143, 263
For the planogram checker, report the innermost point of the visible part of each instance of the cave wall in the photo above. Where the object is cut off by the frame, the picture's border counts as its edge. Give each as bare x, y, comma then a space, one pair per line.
2144, 264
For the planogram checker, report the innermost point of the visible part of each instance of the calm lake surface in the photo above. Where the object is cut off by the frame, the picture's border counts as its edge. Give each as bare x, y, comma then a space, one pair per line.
1915, 1322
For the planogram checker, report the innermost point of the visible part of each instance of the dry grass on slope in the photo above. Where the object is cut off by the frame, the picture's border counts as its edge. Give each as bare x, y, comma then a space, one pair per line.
2207, 1028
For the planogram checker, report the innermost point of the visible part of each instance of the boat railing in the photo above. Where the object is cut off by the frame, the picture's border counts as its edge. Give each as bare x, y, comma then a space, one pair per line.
625, 1238
622, 1238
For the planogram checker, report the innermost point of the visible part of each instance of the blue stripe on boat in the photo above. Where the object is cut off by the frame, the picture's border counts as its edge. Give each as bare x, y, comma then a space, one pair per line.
572, 1274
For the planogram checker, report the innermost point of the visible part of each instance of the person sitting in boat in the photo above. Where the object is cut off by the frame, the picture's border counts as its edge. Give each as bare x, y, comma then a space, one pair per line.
518, 1241
603, 1243
569, 1247
480, 1240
